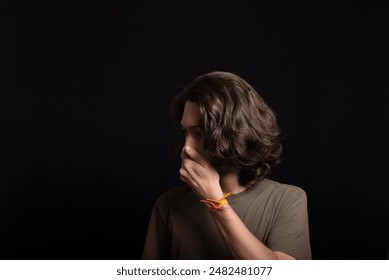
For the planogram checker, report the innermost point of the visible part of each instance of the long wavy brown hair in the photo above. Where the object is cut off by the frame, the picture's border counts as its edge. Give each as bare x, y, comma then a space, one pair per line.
240, 129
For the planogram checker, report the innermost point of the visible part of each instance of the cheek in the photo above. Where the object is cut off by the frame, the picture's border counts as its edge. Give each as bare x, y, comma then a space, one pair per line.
195, 142
199, 146
201, 149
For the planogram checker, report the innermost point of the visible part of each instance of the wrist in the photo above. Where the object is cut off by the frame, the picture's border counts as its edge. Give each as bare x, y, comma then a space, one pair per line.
219, 211
215, 193
216, 196
214, 204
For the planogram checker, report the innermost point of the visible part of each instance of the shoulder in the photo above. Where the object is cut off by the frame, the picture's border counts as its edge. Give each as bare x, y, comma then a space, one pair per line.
282, 194
281, 188
174, 195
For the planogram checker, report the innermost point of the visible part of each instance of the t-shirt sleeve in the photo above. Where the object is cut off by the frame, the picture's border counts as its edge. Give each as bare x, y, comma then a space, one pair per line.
156, 243
290, 232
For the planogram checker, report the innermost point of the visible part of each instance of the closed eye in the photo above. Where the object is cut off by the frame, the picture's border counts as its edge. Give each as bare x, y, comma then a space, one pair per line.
198, 133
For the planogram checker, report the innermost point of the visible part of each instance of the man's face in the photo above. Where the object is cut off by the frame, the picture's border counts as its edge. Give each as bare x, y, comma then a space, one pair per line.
190, 124
194, 136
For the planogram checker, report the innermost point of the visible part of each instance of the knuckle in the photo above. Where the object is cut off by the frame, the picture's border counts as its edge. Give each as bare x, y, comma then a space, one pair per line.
187, 164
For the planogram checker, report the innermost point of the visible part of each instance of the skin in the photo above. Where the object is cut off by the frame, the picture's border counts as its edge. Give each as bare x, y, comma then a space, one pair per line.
206, 183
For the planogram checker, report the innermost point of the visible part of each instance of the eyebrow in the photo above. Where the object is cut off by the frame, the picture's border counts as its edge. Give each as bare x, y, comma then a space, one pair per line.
191, 127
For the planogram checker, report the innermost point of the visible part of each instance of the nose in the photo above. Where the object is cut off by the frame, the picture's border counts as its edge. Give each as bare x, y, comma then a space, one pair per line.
189, 142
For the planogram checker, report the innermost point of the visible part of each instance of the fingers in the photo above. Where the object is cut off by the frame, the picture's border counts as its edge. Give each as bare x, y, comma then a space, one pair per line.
194, 155
184, 175
190, 171
191, 166
199, 174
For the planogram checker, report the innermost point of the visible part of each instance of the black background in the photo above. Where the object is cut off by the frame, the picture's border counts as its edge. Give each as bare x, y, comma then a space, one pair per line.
85, 131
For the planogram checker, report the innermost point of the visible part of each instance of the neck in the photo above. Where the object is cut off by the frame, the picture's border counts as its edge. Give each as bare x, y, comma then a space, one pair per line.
229, 183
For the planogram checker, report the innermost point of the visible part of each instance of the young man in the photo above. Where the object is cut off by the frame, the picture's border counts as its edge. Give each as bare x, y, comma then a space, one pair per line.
228, 209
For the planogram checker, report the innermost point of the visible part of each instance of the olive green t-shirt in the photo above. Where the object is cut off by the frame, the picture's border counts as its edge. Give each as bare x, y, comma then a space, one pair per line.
181, 227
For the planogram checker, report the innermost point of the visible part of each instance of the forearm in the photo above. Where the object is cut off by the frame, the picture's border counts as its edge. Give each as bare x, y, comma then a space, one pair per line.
237, 237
